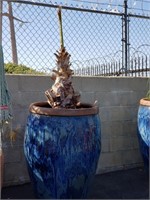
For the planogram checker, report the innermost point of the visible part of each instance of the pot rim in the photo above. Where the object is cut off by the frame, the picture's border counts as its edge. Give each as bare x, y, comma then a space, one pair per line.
145, 102
43, 108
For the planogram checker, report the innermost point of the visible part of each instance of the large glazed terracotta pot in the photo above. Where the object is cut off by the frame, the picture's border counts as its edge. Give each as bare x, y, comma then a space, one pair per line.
144, 129
62, 148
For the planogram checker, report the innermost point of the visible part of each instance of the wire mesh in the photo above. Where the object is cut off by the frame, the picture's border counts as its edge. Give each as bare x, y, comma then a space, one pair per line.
92, 37
139, 46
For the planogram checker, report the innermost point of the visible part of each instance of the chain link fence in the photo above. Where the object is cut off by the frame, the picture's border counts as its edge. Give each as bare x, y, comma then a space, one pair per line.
94, 38
139, 46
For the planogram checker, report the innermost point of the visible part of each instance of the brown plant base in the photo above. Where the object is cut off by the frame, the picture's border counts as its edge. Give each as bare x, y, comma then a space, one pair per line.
62, 93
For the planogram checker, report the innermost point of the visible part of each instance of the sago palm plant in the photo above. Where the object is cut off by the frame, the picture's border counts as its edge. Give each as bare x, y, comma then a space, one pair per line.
62, 93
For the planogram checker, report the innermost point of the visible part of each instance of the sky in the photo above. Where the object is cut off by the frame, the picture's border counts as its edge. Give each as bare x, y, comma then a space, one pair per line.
90, 38
135, 6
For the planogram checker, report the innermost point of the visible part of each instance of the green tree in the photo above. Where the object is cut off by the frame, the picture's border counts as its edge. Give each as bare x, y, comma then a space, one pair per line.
12, 68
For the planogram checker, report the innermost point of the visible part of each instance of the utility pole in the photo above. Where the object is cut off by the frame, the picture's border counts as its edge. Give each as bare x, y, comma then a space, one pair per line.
125, 38
12, 34
11, 18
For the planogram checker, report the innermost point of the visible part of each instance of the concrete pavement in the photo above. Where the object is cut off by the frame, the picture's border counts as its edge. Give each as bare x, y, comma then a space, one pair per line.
124, 184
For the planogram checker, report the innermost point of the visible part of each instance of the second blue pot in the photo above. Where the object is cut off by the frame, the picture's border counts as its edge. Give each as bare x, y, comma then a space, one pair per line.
144, 130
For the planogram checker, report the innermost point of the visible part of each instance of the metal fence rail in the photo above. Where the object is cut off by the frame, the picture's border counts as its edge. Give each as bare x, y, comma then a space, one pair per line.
139, 66
97, 40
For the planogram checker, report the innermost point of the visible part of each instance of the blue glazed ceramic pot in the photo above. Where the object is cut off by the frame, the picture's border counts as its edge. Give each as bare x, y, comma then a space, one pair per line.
144, 129
62, 149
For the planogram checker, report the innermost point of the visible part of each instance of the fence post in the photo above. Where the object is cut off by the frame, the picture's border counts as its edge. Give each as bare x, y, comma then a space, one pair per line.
125, 38
1, 8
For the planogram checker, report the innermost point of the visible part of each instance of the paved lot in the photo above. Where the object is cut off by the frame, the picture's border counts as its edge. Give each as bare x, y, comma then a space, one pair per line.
125, 184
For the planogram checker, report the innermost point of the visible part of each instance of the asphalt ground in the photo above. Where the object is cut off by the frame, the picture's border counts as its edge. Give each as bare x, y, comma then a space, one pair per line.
124, 184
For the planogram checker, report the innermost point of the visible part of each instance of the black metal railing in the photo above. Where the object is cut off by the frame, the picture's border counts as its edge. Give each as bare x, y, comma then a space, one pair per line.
139, 66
